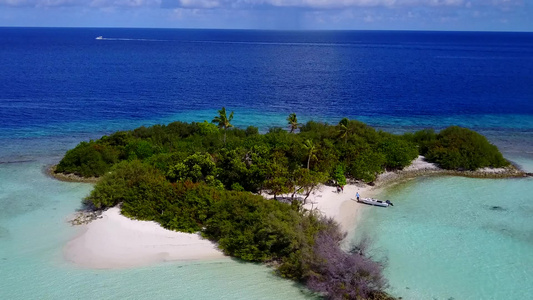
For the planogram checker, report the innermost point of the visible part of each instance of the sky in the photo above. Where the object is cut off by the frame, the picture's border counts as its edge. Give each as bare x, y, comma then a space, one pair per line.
461, 15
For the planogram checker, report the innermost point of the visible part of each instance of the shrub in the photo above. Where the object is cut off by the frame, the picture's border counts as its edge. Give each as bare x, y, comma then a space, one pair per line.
237, 187
126, 182
195, 168
422, 138
340, 275
457, 148
177, 174
206, 128
88, 159
367, 165
140, 149
338, 176
399, 153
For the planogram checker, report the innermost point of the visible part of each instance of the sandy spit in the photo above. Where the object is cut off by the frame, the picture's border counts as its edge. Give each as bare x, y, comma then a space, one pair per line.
115, 241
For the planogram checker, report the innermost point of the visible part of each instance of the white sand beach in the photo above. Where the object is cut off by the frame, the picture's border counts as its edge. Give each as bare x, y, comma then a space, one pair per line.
420, 164
115, 241
343, 206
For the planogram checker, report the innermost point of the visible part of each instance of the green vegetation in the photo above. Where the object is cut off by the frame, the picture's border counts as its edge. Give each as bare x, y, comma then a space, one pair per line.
338, 176
456, 148
201, 177
303, 245
223, 121
244, 159
293, 122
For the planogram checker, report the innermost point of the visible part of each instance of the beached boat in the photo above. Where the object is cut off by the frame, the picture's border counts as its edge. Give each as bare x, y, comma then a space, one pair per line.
375, 202
99, 37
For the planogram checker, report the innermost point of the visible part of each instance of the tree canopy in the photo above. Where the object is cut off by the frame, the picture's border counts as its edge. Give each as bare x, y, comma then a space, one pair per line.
184, 176
303, 245
247, 160
223, 121
293, 122
457, 148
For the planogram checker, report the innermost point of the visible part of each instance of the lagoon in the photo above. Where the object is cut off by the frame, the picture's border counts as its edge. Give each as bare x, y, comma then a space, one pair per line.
442, 239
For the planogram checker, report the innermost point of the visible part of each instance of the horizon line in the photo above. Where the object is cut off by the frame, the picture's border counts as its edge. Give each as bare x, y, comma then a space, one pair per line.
258, 29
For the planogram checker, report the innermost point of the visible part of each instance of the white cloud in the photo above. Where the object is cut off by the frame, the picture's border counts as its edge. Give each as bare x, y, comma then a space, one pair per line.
200, 3
259, 4
336, 4
87, 3
311, 4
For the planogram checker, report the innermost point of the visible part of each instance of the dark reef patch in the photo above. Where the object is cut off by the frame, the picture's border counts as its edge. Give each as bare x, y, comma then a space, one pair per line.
497, 208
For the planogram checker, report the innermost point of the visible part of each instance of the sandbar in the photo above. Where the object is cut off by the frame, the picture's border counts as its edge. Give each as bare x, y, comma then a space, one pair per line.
115, 241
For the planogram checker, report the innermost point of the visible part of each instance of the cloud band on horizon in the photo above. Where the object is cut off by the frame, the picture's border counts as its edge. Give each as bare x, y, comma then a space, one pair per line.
277, 14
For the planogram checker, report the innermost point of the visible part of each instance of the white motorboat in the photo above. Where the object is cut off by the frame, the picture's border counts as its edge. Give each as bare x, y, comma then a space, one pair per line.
99, 37
376, 202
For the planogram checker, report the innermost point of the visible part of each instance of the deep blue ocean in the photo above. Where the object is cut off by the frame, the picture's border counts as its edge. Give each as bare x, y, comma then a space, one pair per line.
59, 86
54, 80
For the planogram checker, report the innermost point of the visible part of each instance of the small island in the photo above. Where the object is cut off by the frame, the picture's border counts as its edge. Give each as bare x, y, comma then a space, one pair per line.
214, 179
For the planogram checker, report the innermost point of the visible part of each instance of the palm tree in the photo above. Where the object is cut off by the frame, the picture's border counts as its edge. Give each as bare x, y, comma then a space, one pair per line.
293, 122
223, 121
308, 144
344, 131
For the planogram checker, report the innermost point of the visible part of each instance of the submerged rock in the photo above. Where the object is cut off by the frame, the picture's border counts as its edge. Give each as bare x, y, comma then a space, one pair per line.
85, 217
497, 208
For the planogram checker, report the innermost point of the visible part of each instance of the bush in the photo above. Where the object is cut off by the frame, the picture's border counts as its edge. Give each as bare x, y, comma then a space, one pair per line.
340, 275
140, 149
88, 159
126, 182
367, 165
457, 148
195, 168
269, 161
245, 226
237, 187
338, 176
399, 153
251, 227
177, 174
206, 128
423, 139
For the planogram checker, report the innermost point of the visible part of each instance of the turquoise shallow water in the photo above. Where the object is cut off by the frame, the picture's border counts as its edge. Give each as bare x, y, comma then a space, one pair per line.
454, 247
61, 86
453, 237
511, 133
33, 231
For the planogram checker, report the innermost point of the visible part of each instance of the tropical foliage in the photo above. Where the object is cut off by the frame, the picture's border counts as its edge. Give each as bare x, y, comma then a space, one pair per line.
188, 178
223, 121
457, 148
245, 159
304, 245
293, 122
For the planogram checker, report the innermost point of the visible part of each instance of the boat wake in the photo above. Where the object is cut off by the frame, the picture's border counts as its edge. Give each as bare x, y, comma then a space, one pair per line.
232, 42
129, 39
